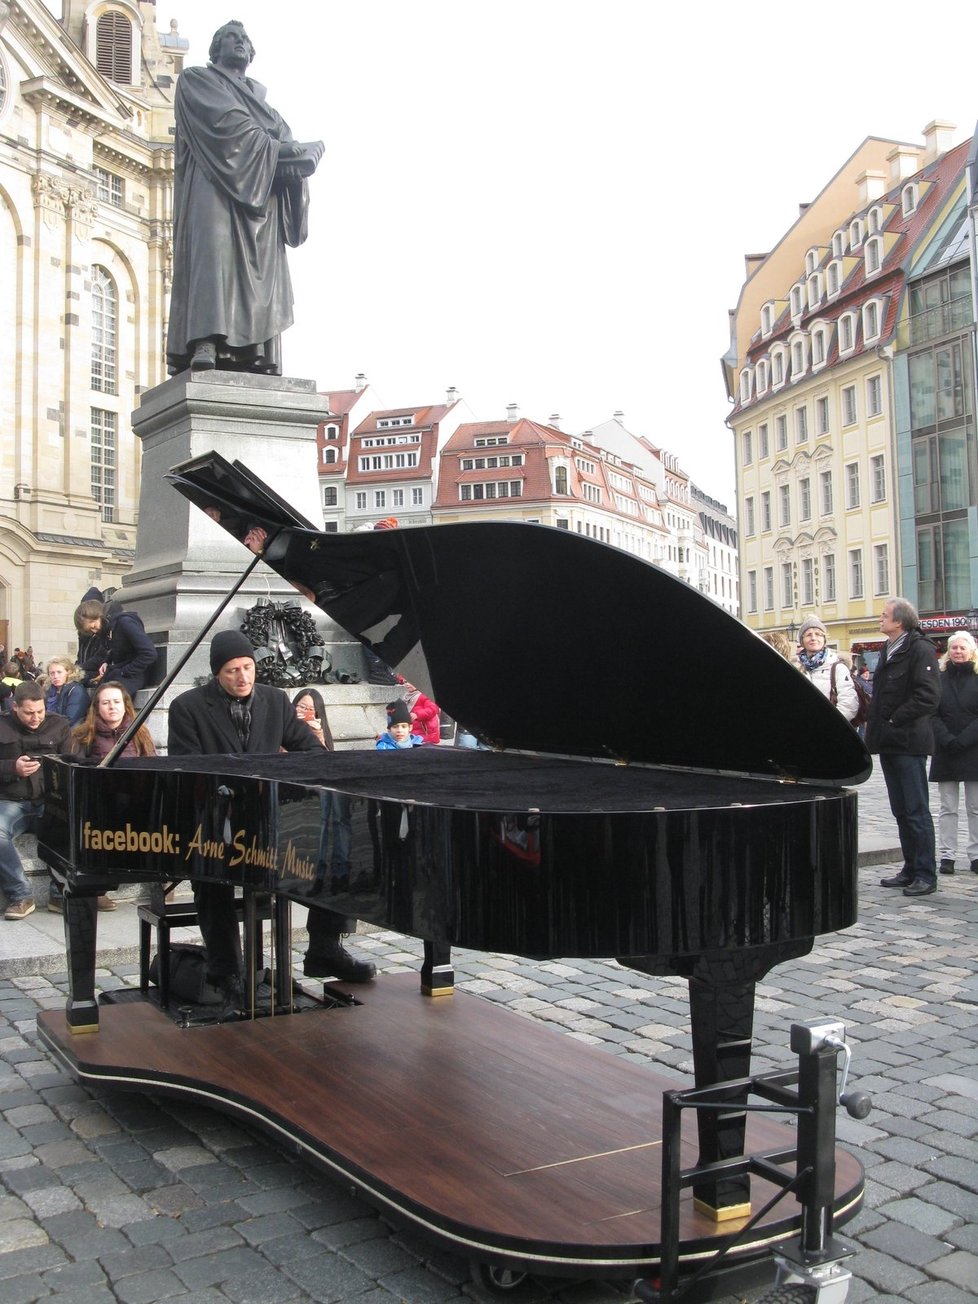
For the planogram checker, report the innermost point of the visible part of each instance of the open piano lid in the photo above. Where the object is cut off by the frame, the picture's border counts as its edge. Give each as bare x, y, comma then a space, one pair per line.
540, 640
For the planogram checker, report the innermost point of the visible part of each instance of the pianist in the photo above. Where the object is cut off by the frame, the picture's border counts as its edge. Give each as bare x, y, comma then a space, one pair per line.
233, 714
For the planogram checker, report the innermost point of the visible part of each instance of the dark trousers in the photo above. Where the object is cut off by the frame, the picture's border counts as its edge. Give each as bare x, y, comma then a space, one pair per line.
906, 787
218, 925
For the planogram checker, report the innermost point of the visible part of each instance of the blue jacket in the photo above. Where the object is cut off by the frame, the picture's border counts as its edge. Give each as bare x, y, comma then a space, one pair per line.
385, 743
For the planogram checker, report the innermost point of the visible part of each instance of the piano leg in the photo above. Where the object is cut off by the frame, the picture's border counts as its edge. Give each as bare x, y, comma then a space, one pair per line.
437, 973
81, 915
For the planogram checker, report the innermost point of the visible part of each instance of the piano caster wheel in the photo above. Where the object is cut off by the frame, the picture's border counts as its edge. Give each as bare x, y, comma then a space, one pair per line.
497, 1280
186, 1013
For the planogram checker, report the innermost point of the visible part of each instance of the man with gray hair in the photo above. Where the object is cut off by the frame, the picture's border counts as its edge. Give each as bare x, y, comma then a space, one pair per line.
906, 692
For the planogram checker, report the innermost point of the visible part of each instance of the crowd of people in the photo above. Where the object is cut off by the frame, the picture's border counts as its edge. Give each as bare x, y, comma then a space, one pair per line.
913, 706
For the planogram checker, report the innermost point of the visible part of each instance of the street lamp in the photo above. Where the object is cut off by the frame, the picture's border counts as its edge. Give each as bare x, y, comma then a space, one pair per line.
792, 631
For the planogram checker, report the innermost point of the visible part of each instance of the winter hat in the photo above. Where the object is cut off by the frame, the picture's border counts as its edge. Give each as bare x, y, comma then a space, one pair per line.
811, 622
397, 713
228, 646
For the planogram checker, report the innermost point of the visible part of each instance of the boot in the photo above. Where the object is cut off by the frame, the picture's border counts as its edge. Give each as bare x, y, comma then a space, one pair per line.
947, 867
333, 960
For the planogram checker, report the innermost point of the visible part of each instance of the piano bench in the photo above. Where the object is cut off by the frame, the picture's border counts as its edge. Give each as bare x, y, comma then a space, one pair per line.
176, 914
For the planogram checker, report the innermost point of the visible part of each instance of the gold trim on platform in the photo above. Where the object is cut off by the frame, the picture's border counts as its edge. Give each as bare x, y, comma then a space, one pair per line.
728, 1211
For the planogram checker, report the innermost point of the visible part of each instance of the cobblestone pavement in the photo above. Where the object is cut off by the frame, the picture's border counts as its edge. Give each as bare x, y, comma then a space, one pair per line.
107, 1196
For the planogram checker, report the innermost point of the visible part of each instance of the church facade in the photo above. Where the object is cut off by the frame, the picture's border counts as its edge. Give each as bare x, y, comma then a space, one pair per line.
86, 184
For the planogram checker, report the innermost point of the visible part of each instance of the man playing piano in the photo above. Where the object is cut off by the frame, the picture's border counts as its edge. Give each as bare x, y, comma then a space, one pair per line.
233, 714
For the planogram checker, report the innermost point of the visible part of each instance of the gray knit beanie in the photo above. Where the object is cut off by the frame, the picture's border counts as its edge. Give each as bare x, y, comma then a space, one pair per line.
811, 622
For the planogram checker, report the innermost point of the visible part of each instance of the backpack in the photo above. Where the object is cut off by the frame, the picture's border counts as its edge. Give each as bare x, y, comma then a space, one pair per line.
862, 711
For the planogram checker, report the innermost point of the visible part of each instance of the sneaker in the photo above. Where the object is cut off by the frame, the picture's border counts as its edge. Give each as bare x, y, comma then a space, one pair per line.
20, 909
106, 903
947, 867
56, 905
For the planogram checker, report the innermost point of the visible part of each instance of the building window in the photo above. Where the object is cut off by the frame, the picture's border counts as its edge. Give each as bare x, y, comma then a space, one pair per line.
329, 456
838, 244
493, 489
908, 200
874, 396
877, 475
104, 436
330, 495
881, 568
766, 510
801, 425
812, 260
787, 585
855, 573
825, 492
109, 188
105, 324
847, 332
852, 484
849, 405
560, 480
822, 415
747, 444
417, 497
799, 358
855, 233
797, 300
332, 432
781, 432
762, 449
761, 376
874, 220
833, 279
113, 47
820, 346
745, 385
784, 505
873, 255
871, 321
752, 590
805, 499
749, 517
361, 502
807, 582
380, 498
814, 290
768, 588
828, 577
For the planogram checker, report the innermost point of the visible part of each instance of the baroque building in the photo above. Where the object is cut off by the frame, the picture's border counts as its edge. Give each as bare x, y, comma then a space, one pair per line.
86, 168
825, 384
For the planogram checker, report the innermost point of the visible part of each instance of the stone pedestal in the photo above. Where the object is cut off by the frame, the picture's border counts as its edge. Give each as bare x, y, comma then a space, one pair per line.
186, 563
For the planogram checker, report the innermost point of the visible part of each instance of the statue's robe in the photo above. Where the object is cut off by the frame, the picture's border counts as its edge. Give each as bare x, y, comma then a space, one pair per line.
234, 212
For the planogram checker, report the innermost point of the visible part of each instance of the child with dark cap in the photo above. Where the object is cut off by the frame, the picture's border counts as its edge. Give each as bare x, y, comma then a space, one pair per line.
398, 734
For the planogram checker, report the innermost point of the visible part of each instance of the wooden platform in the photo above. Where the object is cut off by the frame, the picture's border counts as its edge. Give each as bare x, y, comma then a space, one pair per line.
506, 1141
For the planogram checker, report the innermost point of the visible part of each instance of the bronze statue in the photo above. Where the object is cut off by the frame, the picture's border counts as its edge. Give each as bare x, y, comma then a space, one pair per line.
240, 196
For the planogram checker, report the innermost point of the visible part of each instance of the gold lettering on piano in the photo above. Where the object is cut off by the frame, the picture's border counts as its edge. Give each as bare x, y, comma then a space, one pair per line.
163, 842
297, 866
251, 853
208, 848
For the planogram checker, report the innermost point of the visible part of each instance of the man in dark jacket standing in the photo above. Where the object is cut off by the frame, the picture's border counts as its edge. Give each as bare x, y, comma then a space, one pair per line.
25, 734
906, 691
233, 714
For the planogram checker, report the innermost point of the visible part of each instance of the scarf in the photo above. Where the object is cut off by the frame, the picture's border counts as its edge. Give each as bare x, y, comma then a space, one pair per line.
239, 709
813, 662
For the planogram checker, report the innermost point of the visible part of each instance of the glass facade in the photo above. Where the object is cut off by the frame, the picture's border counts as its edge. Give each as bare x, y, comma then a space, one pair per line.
942, 431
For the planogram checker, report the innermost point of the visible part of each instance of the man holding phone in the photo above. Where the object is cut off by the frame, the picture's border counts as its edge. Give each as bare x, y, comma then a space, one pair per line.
27, 733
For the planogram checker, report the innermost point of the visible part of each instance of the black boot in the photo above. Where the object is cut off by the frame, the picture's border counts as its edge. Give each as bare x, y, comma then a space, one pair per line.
333, 960
233, 997
947, 867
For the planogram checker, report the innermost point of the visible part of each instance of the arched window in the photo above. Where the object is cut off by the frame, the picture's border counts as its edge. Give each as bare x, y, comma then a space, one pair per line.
329, 455
560, 479
113, 47
332, 432
330, 497
105, 326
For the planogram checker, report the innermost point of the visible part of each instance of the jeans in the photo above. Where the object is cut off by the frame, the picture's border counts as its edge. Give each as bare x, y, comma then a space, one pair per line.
335, 814
947, 824
906, 787
15, 817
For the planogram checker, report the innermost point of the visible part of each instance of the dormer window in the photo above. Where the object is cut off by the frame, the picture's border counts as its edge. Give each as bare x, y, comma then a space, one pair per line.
113, 47
799, 357
833, 279
908, 199
797, 300
847, 332
745, 385
820, 345
855, 233
767, 319
777, 368
838, 244
812, 260
874, 220
873, 254
814, 290
762, 376
872, 319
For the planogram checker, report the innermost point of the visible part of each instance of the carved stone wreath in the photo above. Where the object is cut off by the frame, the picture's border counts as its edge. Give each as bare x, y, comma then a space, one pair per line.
289, 651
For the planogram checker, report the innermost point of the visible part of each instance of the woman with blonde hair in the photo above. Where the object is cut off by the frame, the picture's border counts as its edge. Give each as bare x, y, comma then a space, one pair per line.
955, 759
65, 695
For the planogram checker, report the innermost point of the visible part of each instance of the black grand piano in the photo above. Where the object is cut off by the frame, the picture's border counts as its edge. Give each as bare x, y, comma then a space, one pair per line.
660, 787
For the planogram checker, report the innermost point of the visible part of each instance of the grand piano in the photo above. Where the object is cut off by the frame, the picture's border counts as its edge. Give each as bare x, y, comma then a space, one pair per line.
659, 786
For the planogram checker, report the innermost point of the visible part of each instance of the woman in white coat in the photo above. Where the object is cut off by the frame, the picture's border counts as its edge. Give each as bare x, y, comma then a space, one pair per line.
816, 660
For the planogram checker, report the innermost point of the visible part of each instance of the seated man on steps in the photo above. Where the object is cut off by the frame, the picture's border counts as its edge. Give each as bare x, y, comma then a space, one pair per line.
233, 714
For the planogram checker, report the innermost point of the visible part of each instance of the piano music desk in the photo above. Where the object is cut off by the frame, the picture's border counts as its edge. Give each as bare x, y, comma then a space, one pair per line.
508, 1142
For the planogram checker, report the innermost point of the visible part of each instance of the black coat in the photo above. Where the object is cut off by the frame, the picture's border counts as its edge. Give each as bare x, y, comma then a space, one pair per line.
201, 725
956, 725
906, 691
132, 655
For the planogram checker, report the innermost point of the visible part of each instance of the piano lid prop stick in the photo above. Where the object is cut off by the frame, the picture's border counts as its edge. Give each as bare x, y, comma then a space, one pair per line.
158, 692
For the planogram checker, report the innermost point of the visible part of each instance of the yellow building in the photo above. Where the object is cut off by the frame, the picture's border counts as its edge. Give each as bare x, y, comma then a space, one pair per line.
86, 169
816, 393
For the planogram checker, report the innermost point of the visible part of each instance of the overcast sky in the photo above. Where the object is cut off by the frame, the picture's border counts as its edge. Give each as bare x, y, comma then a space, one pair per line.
547, 202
